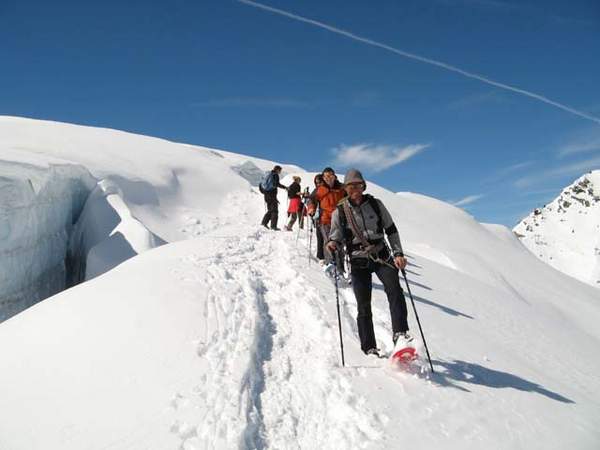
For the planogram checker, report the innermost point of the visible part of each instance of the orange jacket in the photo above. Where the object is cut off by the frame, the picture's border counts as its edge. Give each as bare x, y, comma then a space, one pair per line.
328, 198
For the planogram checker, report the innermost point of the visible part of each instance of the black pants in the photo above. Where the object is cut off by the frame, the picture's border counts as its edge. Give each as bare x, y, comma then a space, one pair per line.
361, 270
320, 253
272, 213
297, 215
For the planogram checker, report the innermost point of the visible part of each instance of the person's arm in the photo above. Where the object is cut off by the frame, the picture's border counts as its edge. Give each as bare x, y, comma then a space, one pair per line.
390, 230
277, 183
313, 201
393, 237
336, 235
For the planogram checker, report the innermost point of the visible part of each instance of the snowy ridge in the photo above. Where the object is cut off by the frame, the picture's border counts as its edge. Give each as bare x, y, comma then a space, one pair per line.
566, 232
226, 337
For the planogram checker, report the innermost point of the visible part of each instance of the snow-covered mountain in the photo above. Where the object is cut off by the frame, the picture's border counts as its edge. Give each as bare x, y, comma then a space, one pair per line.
566, 232
197, 328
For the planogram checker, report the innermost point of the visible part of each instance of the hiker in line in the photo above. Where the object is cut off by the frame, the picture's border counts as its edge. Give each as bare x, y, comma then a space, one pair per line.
295, 206
327, 197
269, 189
318, 180
359, 223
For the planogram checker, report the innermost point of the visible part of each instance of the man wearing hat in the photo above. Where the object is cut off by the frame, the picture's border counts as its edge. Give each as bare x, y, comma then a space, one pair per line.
360, 223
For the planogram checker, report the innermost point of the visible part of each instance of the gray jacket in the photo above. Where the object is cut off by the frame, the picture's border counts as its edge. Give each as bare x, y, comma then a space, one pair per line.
366, 219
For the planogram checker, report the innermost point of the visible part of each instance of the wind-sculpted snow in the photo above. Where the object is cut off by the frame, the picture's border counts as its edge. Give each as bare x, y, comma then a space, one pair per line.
48, 171
59, 227
38, 209
107, 233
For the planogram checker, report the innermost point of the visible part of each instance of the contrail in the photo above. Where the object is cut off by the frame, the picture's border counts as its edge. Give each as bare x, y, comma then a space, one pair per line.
422, 59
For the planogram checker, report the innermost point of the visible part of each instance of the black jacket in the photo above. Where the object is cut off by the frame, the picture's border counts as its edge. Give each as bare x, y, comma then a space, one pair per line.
276, 181
294, 190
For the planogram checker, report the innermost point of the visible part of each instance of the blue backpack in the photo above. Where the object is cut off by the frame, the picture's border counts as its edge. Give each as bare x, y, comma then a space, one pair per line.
268, 183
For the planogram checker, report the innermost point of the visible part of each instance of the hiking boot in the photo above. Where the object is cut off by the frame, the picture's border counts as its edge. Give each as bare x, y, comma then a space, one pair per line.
373, 352
265, 225
288, 228
402, 336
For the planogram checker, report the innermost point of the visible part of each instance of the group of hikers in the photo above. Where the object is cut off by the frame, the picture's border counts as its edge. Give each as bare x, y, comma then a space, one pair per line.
353, 224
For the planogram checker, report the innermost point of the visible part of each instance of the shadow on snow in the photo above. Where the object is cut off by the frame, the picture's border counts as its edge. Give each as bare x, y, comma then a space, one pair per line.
465, 372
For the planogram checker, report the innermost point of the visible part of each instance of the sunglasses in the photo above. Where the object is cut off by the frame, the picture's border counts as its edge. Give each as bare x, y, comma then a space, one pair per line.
355, 185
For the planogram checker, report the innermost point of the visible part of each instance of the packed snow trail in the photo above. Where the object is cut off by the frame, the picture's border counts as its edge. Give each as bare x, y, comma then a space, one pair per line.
270, 351
275, 379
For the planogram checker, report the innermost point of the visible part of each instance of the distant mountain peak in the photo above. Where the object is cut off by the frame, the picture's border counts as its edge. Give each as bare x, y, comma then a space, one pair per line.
566, 232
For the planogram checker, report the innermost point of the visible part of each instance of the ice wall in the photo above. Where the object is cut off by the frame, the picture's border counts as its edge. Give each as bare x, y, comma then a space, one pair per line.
38, 208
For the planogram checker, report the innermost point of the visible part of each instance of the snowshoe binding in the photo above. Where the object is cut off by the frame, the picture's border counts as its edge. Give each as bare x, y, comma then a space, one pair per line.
404, 349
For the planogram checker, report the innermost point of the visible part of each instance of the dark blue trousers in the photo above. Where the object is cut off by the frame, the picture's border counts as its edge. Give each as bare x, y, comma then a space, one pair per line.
272, 213
361, 270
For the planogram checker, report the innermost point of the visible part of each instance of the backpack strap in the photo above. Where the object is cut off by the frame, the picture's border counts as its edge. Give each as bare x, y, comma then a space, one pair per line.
351, 228
348, 235
375, 205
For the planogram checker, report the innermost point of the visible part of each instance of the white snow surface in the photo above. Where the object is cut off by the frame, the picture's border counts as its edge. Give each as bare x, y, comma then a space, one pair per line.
566, 232
220, 334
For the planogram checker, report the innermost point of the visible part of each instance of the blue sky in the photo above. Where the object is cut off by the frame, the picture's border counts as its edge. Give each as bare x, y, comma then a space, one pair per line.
231, 75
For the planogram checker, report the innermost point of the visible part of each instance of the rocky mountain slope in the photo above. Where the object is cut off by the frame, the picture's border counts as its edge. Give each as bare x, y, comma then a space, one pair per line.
566, 232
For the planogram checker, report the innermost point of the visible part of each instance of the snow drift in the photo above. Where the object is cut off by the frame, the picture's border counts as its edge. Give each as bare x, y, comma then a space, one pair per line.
228, 338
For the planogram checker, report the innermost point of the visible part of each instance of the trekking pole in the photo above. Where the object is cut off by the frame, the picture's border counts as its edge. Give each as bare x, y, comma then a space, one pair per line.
310, 240
298, 234
307, 225
337, 299
417, 317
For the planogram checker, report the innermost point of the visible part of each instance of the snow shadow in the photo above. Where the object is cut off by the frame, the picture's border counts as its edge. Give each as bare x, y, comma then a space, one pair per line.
471, 373
446, 309
410, 260
413, 273
254, 379
422, 286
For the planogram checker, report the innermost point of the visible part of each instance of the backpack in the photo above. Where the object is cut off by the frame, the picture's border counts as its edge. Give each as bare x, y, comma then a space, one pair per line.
268, 183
